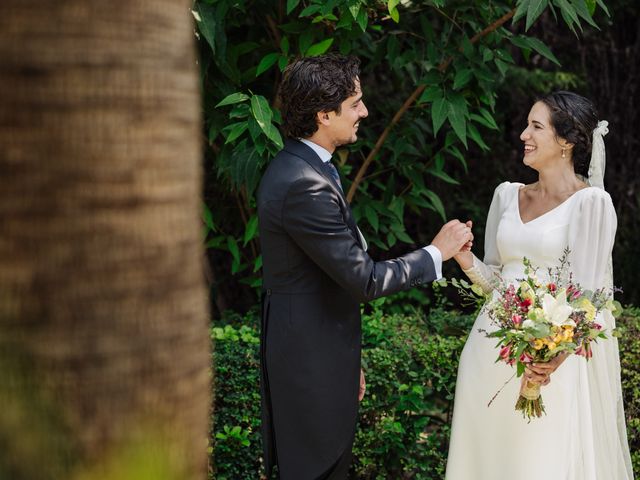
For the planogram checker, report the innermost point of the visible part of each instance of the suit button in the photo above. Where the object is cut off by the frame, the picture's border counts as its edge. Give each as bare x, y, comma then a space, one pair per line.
268, 291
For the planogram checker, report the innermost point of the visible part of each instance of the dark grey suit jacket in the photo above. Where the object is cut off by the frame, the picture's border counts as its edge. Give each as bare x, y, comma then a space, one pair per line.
315, 275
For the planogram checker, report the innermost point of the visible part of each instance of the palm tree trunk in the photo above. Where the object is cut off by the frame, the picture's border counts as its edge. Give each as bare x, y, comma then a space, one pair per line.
101, 285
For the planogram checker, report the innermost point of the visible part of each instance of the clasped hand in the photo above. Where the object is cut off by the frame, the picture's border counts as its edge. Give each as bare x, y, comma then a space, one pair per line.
453, 238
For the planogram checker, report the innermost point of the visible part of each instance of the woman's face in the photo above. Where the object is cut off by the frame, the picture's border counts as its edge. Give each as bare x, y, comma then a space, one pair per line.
541, 146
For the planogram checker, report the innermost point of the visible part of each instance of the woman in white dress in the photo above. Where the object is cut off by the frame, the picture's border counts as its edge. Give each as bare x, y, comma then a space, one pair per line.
583, 434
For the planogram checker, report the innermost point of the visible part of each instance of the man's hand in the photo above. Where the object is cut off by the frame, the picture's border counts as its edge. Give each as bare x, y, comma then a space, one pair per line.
452, 238
363, 386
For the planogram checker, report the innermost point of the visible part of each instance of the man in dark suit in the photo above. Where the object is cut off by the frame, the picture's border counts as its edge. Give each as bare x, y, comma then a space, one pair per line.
316, 272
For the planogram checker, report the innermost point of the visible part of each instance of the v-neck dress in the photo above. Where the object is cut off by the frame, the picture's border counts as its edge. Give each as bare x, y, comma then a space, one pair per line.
495, 442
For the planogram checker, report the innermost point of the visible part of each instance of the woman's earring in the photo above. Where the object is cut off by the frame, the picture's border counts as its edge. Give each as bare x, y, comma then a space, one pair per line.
563, 154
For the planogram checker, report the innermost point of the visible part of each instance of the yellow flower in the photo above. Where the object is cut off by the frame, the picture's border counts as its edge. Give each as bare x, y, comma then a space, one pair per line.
551, 345
538, 344
526, 291
567, 335
585, 305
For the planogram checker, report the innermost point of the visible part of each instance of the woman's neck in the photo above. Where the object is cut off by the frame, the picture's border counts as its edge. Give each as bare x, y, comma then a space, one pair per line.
558, 182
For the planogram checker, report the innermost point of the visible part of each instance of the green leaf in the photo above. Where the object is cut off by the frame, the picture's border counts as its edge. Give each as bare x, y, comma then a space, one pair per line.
542, 49
372, 217
436, 202
251, 229
274, 135
282, 63
502, 66
207, 217
235, 131
583, 11
476, 137
521, 11
232, 245
305, 40
261, 111
443, 176
284, 45
568, 13
393, 10
354, 8
233, 98
603, 7
267, 62
430, 94
310, 10
485, 118
257, 265
319, 48
363, 19
536, 7
402, 235
205, 16
457, 118
462, 78
291, 4
439, 113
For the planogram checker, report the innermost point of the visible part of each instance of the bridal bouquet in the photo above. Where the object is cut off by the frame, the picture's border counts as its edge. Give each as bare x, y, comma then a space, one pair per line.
539, 320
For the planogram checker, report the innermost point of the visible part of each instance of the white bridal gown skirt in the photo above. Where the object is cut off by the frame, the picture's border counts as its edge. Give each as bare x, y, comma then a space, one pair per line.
495, 442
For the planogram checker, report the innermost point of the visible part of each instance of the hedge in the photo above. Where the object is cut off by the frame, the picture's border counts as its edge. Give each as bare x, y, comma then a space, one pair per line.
410, 362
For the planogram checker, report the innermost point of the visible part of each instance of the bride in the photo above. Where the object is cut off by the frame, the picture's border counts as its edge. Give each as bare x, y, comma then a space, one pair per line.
583, 434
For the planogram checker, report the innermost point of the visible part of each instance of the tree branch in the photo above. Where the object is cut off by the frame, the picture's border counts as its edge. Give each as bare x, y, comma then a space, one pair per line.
410, 101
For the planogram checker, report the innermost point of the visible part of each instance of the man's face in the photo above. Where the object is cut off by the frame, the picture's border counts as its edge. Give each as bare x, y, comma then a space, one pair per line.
343, 127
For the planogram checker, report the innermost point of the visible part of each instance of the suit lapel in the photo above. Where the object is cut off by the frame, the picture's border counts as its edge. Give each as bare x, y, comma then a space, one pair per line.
305, 152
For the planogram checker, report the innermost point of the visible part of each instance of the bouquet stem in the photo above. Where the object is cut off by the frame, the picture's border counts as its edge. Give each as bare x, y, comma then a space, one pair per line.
530, 401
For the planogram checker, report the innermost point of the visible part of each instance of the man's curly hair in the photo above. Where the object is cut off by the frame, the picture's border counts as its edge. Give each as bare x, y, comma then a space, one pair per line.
315, 84
574, 118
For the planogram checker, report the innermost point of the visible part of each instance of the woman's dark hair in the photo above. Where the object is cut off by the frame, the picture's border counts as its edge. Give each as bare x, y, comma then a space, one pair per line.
315, 84
574, 118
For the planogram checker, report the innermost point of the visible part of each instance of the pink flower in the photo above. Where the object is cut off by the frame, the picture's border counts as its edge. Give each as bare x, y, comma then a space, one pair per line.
597, 326
516, 319
526, 358
552, 287
584, 350
505, 352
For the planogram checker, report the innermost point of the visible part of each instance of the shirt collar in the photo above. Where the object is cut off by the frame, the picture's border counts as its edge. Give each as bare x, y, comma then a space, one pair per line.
322, 152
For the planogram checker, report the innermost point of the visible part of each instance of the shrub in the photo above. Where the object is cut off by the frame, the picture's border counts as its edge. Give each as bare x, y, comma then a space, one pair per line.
236, 429
629, 328
410, 363
404, 418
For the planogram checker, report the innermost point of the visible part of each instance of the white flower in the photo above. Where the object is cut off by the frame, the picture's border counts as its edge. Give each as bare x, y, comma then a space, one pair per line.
528, 324
556, 309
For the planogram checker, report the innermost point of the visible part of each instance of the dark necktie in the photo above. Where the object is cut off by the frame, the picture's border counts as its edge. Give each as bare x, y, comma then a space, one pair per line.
334, 173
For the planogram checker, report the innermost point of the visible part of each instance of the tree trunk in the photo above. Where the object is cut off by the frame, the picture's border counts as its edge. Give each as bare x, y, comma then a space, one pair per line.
103, 310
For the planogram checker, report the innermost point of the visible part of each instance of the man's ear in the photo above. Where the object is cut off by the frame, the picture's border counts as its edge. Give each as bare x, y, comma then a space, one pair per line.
323, 118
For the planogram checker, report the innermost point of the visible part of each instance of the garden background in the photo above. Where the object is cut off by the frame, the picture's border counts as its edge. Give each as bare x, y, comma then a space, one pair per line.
132, 138
448, 85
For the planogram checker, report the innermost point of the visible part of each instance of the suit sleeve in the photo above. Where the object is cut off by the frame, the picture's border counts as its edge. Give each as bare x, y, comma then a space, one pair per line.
314, 220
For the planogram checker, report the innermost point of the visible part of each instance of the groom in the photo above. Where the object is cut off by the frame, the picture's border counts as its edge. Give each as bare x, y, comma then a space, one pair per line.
317, 272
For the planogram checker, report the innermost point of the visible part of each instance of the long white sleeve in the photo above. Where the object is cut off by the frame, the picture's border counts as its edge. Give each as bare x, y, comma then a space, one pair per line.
484, 273
591, 237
